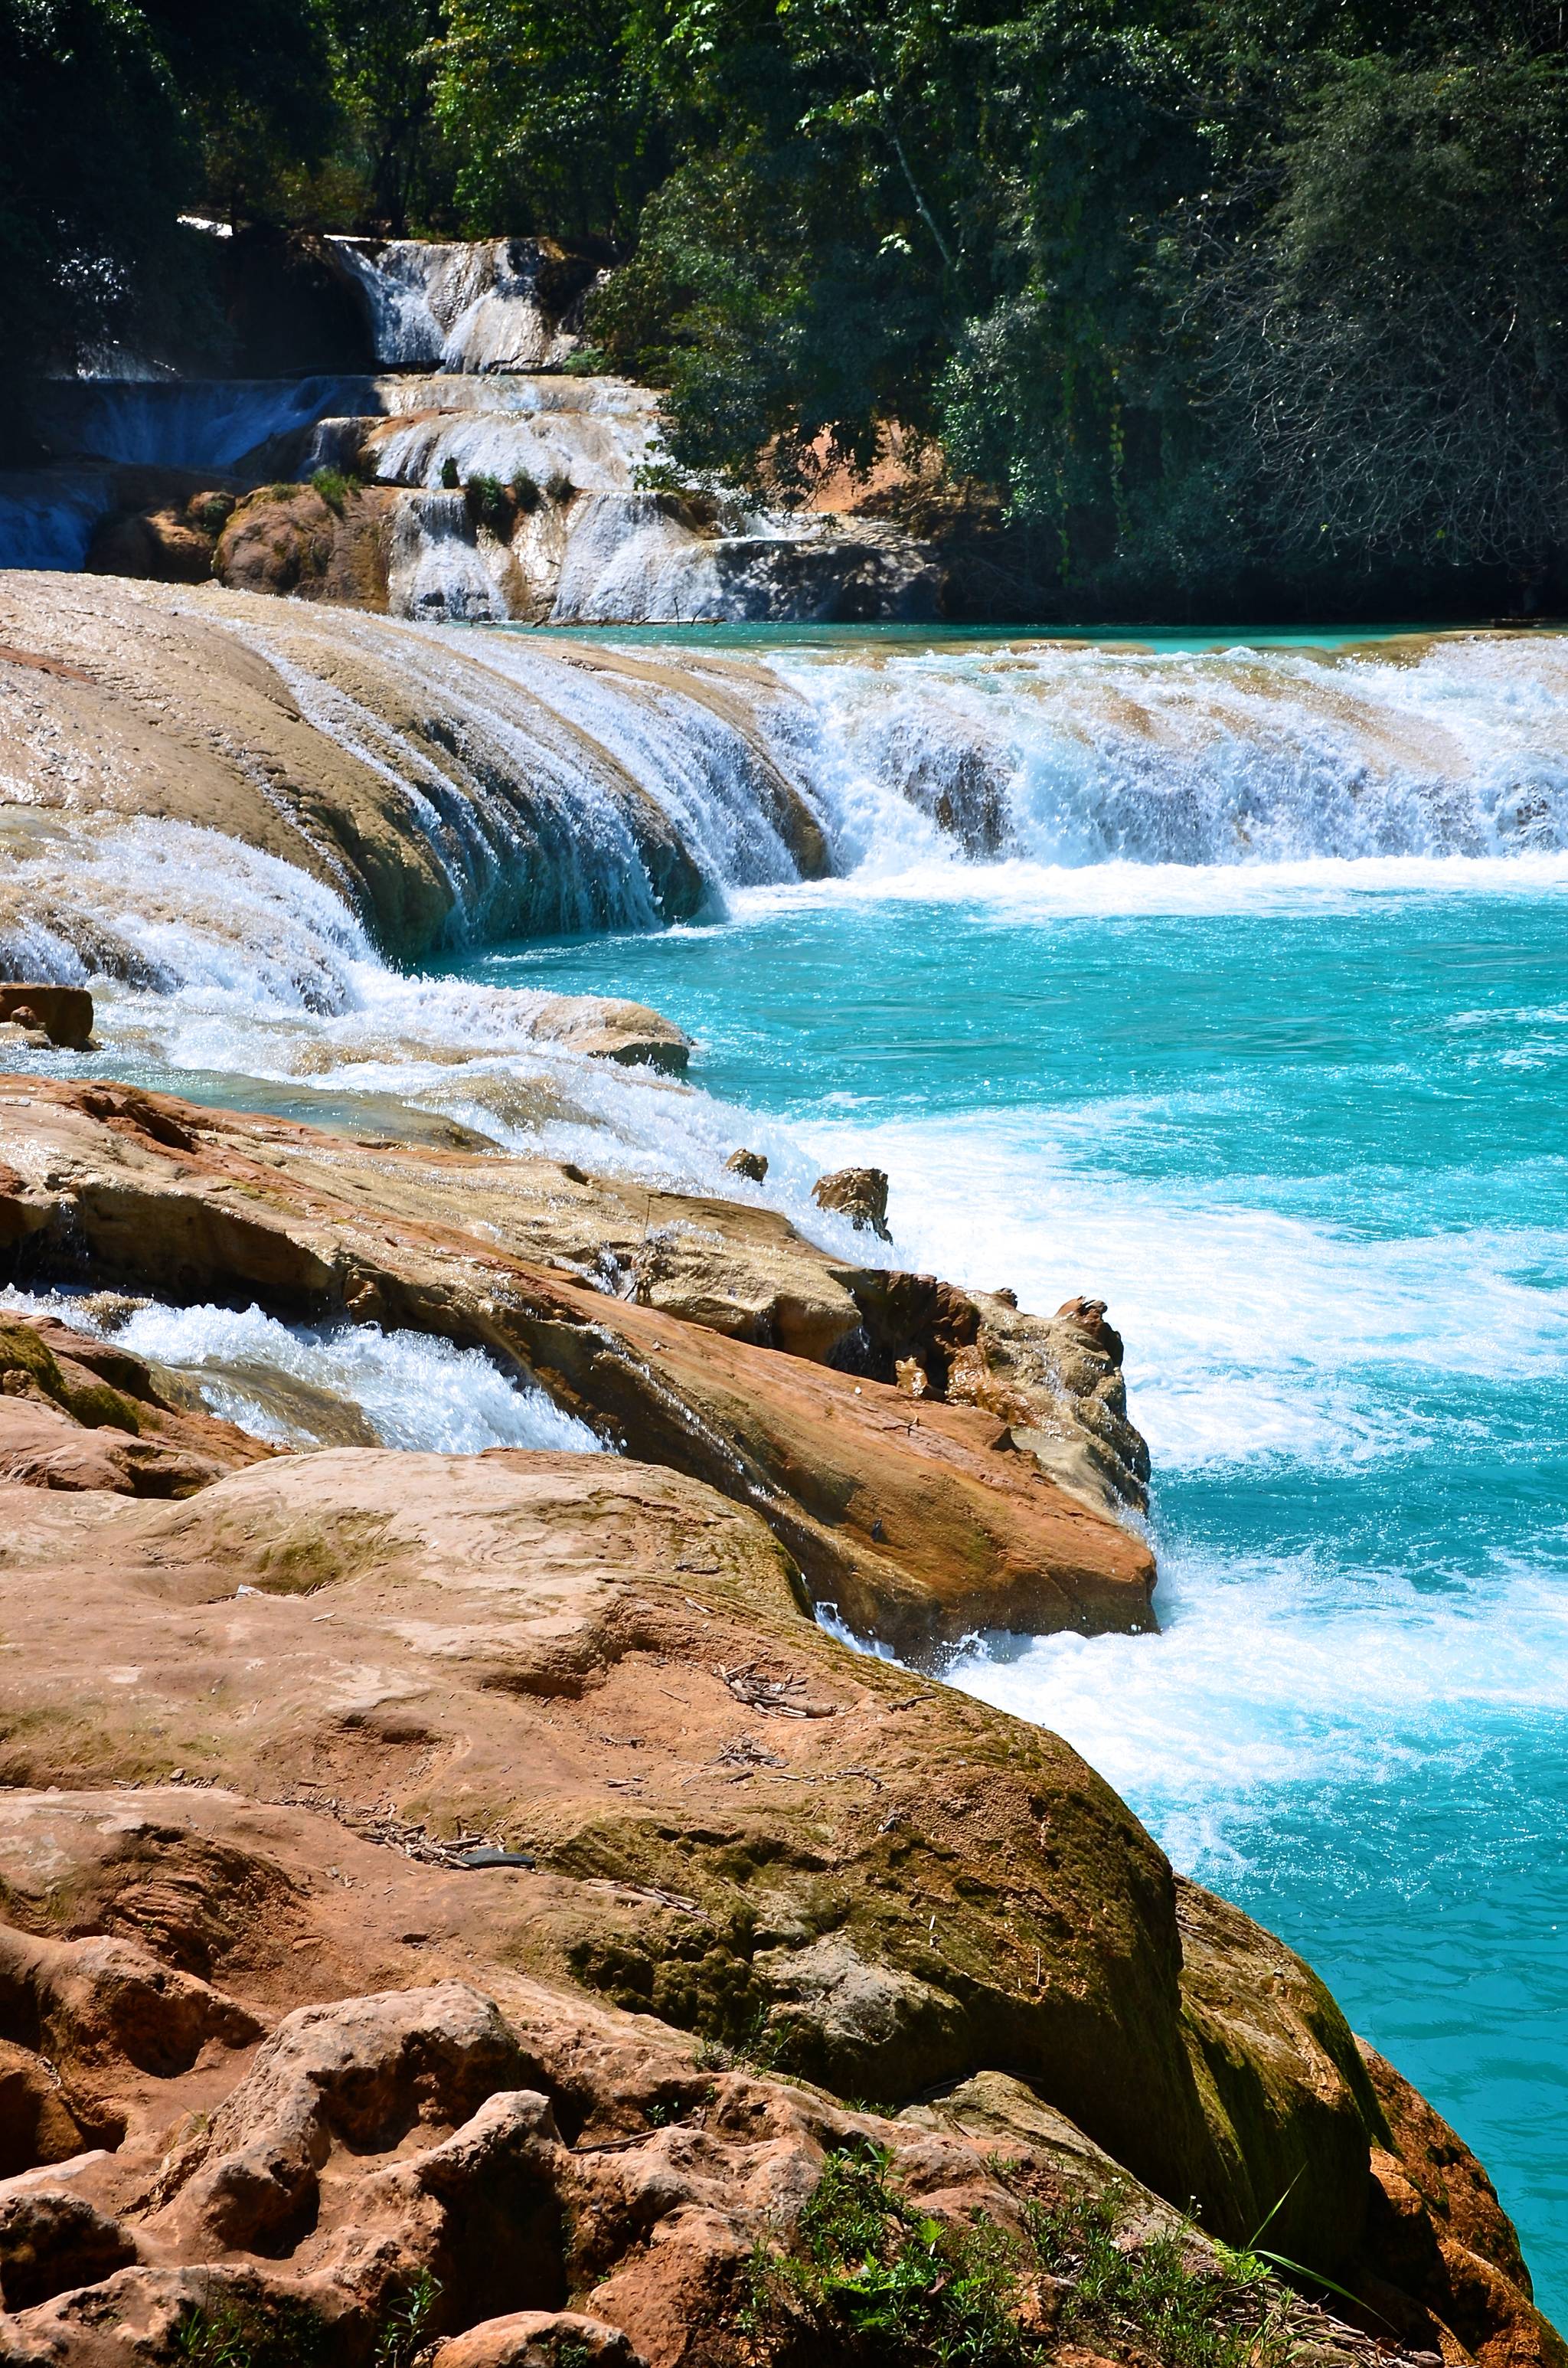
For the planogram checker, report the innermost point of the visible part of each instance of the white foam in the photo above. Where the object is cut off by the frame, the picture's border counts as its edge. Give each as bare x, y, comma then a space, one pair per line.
1088, 756
414, 1391
1281, 1672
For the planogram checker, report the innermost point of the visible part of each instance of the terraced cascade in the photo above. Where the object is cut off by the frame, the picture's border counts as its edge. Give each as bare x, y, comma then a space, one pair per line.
579, 1347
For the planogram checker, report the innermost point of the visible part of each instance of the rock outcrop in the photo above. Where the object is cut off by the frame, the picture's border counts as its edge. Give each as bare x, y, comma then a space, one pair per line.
446, 1900
76, 1413
658, 1319
62, 1015
334, 2083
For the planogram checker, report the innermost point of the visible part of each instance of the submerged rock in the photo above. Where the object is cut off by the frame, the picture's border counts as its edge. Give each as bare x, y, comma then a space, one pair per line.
627, 1033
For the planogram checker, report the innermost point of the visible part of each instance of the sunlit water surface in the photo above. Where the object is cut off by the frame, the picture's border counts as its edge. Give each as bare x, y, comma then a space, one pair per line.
1305, 1130
1261, 1035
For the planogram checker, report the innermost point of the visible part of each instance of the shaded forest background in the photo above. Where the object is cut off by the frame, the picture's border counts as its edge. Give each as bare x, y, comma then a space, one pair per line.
1202, 303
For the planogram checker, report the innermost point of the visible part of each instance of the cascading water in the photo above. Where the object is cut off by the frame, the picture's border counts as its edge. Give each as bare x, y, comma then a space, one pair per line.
1228, 985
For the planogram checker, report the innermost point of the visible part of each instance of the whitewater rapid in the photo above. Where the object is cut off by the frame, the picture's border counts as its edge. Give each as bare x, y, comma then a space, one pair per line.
1227, 986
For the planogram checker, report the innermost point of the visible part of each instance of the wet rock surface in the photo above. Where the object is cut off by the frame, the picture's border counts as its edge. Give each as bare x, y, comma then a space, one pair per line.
76, 1414
919, 1523
393, 770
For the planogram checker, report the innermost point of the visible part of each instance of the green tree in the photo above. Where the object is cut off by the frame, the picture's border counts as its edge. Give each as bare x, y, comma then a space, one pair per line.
554, 113
384, 76
95, 154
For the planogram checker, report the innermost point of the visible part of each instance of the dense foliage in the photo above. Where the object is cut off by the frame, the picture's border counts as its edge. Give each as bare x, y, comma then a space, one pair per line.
1202, 297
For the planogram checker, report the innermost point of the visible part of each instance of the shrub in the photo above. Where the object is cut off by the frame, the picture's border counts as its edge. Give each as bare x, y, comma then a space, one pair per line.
210, 512
450, 481
334, 488
588, 361
524, 490
489, 502
559, 487
906, 2290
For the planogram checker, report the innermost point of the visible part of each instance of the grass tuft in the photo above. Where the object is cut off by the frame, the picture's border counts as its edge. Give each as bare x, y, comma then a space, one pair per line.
866, 2277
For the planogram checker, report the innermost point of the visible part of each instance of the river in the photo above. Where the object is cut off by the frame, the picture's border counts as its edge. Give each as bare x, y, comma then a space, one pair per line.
1231, 985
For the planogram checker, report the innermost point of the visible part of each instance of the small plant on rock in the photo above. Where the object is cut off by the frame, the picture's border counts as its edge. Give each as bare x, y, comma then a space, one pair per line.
334, 488
239, 2332
450, 481
1148, 2297
559, 487
210, 512
489, 502
405, 2330
878, 2280
524, 490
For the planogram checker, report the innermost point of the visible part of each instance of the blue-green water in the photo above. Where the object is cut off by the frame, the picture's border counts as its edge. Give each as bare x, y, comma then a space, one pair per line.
1306, 1131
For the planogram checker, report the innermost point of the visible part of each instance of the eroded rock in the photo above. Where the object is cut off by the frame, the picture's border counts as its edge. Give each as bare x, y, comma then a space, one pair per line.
540, 2339
858, 1193
76, 1414
51, 2239
919, 1526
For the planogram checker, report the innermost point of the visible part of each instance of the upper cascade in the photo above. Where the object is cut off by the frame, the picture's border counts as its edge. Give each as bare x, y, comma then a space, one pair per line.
468, 467
468, 305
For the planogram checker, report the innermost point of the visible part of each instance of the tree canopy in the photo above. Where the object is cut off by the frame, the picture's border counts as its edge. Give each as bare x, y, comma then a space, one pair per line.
1185, 289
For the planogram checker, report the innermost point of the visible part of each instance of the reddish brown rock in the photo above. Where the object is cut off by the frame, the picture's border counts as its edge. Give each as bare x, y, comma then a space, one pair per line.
50, 2240
64, 1013
36, 2124
858, 1193
166, 543
78, 1414
540, 2339
289, 538
919, 1524
1438, 2235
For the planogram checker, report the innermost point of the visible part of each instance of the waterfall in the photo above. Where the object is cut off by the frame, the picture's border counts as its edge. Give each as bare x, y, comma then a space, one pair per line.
482, 304
1057, 754
190, 423
548, 786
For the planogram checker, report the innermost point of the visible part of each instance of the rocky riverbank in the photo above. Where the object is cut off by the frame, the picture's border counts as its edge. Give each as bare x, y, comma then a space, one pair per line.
471, 1886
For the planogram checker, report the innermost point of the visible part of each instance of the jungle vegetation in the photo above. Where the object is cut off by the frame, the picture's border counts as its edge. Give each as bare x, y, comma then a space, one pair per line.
1199, 301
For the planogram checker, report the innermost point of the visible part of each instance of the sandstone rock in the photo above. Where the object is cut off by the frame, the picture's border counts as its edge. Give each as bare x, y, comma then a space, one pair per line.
752, 1164
64, 1013
540, 2339
290, 539
858, 1193
51, 2239
36, 2124
918, 1527
178, 704
165, 544
75, 1414
1438, 2235
43, 1448
627, 1033
360, 2074
620, 2172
